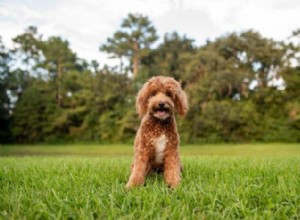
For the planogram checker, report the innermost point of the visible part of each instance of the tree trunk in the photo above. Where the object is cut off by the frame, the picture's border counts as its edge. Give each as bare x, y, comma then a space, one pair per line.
121, 64
135, 58
59, 95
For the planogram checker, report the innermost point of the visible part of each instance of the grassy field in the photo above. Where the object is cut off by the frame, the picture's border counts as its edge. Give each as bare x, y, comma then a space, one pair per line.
127, 150
219, 181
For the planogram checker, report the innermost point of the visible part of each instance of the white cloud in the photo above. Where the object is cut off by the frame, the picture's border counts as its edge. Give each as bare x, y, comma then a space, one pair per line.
87, 24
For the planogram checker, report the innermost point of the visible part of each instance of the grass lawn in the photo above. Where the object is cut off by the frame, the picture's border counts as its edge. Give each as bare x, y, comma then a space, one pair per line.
254, 181
127, 150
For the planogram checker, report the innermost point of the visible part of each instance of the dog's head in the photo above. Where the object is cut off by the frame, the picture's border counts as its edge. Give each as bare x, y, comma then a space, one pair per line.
160, 97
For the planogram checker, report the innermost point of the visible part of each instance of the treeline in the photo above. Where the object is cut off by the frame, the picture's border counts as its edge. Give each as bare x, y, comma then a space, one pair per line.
242, 87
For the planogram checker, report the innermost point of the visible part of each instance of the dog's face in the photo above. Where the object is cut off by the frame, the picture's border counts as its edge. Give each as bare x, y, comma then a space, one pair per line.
161, 105
160, 97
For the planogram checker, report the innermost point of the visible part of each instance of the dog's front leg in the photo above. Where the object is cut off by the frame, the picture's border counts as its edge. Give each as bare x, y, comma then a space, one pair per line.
139, 171
172, 168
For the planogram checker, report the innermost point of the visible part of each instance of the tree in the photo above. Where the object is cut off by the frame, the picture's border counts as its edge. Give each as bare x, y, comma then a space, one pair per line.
34, 112
27, 48
25, 57
59, 59
132, 41
62, 98
170, 56
4, 99
249, 51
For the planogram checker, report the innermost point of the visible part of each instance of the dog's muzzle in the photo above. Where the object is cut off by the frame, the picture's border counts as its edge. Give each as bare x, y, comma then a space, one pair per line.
162, 111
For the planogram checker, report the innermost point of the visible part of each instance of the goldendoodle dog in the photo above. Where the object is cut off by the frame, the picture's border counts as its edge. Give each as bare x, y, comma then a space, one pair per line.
157, 140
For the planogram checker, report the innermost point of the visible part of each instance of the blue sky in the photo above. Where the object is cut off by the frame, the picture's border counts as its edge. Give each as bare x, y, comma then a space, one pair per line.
87, 23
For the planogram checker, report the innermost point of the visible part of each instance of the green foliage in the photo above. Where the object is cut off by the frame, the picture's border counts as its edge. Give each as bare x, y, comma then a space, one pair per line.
170, 57
132, 41
33, 113
227, 121
48, 94
4, 99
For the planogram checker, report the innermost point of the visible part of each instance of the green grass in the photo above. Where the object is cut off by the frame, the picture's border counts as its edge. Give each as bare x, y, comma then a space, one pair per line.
212, 187
121, 150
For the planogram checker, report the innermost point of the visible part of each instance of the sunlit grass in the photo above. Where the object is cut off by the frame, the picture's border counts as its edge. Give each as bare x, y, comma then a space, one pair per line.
254, 181
127, 150
212, 187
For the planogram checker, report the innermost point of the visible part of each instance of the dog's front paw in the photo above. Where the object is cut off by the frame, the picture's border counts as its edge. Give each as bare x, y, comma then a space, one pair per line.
134, 182
172, 178
173, 185
129, 185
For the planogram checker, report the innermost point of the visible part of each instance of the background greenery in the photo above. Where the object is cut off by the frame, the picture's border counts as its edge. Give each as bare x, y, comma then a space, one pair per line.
50, 95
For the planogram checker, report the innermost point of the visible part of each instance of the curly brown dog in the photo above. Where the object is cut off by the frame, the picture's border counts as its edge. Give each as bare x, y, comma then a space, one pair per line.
157, 140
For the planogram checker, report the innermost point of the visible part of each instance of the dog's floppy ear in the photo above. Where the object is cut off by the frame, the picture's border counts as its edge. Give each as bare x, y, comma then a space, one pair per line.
181, 102
141, 100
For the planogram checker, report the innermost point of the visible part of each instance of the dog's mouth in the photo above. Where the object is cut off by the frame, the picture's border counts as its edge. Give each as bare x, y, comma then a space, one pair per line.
162, 113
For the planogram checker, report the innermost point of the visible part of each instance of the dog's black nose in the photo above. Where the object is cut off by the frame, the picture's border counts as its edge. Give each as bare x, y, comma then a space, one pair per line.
161, 104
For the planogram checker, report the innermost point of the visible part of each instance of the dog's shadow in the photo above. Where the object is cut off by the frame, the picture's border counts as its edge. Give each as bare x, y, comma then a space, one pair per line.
155, 178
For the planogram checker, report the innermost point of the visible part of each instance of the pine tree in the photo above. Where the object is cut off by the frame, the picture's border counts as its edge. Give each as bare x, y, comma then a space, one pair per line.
133, 40
59, 59
4, 99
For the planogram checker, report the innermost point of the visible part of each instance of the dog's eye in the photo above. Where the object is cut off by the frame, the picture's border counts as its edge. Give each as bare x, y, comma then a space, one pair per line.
169, 94
153, 94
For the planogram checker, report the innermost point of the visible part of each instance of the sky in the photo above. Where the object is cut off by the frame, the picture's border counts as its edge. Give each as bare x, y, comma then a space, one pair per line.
86, 24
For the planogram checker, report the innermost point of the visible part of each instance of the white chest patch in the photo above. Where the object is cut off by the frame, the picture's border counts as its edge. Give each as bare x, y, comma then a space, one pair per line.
160, 146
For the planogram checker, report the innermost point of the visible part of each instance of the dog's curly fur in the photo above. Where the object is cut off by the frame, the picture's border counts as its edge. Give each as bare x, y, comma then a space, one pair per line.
157, 140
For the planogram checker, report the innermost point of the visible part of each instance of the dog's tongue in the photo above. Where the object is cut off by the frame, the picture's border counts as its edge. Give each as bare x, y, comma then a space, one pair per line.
161, 113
